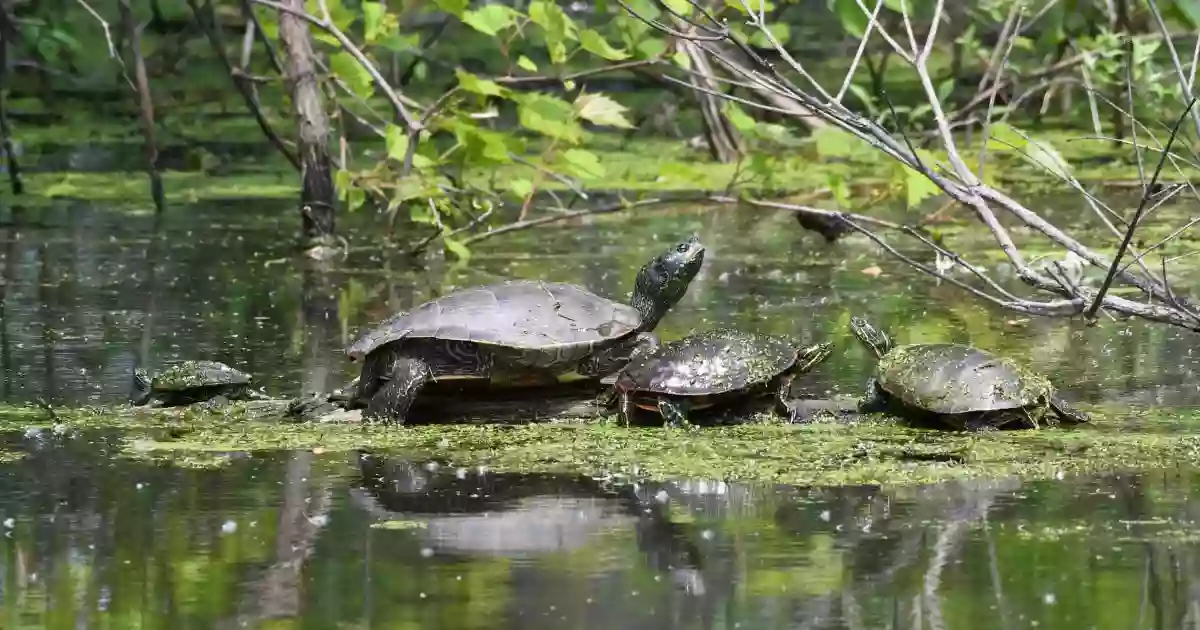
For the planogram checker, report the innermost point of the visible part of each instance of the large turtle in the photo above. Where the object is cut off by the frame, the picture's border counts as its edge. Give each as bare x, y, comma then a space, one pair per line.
190, 382
520, 332
710, 369
957, 385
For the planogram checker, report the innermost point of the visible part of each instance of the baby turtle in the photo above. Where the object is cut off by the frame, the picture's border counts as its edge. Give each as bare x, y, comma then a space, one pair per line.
959, 386
190, 382
520, 332
711, 369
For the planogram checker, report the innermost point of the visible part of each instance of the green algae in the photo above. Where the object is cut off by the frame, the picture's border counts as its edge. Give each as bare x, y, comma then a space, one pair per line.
873, 451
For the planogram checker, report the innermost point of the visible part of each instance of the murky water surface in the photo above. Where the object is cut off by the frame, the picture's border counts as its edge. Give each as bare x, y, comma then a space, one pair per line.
355, 540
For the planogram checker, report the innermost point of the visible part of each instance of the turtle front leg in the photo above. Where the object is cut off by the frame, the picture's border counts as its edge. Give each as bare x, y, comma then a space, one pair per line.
1066, 413
609, 361
390, 403
674, 412
875, 400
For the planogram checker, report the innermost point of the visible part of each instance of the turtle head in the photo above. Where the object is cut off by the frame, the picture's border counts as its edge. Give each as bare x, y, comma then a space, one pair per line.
139, 394
811, 356
662, 282
873, 338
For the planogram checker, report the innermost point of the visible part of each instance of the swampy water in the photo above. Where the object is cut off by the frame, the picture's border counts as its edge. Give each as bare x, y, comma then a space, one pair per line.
366, 540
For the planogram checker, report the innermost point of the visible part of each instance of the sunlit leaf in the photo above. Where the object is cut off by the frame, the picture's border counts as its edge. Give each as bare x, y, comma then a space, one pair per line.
839, 189
373, 14
601, 110
397, 147
491, 18
550, 116
651, 48
833, 142
520, 187
739, 118
755, 5
682, 60
525, 63
779, 30
584, 164
453, 7
487, 145
553, 20
457, 248
681, 7
352, 73
478, 85
1005, 137
595, 43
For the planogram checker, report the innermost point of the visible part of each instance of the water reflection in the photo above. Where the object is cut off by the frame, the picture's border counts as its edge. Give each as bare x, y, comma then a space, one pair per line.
89, 293
367, 540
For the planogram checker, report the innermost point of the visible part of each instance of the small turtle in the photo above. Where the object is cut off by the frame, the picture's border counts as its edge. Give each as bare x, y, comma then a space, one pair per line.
959, 386
520, 332
190, 382
711, 369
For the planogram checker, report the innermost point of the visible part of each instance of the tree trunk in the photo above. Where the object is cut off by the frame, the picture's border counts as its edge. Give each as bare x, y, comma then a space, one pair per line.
724, 143
145, 101
317, 196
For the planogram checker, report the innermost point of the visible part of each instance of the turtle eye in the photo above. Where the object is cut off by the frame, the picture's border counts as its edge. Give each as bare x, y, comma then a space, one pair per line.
682, 249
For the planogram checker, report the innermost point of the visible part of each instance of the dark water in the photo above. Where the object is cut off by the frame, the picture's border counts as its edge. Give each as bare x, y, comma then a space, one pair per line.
357, 541
286, 539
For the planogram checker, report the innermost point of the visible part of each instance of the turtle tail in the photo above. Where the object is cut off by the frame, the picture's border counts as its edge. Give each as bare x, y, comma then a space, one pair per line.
139, 394
1066, 413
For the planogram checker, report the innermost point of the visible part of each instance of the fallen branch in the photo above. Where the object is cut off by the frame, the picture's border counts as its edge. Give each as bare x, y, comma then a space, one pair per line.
955, 179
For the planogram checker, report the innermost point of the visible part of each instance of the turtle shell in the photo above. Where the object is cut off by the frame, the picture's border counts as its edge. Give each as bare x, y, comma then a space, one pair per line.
561, 320
712, 362
953, 379
192, 374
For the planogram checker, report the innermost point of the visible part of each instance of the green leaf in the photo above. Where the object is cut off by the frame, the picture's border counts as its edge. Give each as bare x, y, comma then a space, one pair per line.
651, 48
397, 146
520, 187
396, 41
682, 60
1005, 137
601, 110
583, 164
755, 5
354, 196
453, 7
852, 18
526, 64
1187, 12
347, 68
739, 118
373, 13
485, 145
478, 85
917, 187
491, 18
459, 250
681, 173
840, 189
945, 89
833, 142
681, 7
550, 116
557, 24
595, 43
779, 30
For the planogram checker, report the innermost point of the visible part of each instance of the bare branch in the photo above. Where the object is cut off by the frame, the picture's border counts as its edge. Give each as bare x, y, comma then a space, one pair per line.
326, 24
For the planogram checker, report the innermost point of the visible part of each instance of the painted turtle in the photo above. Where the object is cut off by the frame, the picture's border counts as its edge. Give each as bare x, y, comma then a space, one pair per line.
520, 332
957, 385
190, 382
710, 369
